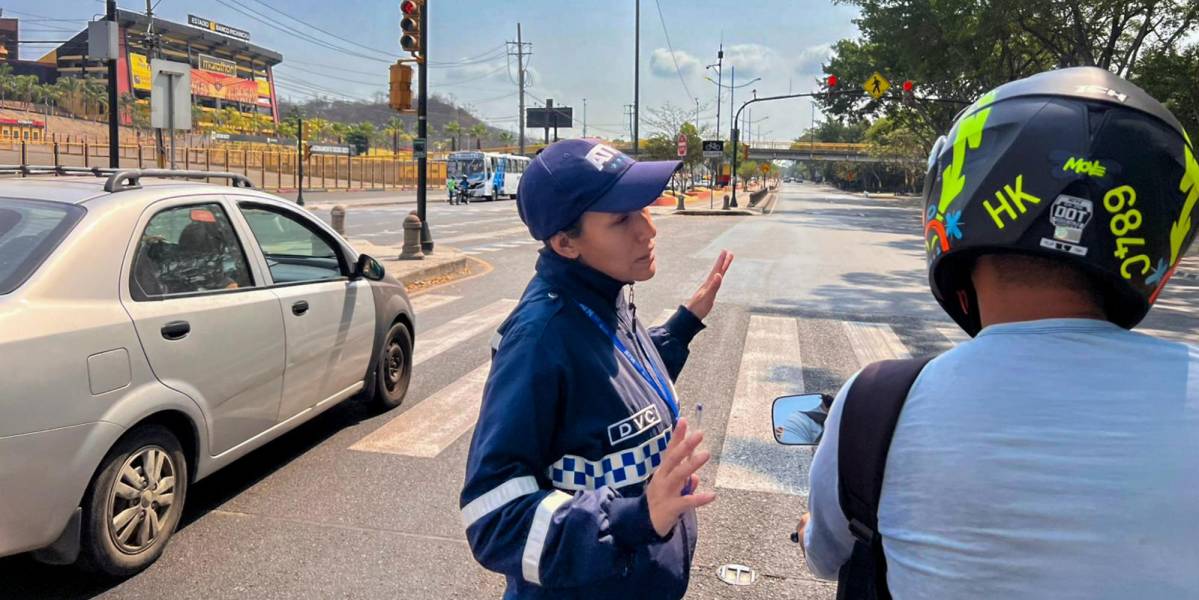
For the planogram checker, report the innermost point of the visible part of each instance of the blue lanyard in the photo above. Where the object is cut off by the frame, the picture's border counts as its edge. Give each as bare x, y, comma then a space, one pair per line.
657, 381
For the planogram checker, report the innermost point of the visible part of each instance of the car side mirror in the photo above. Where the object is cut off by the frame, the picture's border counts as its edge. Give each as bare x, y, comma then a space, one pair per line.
799, 420
368, 267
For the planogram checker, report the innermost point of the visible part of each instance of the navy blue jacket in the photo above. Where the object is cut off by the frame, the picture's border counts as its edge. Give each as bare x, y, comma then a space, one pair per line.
567, 438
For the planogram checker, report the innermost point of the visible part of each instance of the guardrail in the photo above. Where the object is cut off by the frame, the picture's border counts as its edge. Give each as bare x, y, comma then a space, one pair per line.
268, 170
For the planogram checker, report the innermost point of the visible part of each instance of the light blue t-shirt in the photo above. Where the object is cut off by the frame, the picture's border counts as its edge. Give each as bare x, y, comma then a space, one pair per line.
1044, 459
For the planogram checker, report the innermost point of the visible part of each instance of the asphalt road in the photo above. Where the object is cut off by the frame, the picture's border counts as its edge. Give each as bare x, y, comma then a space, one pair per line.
362, 505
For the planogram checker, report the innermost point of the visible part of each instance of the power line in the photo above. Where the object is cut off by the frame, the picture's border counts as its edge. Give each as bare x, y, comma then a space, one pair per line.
671, 48
347, 80
265, 20
328, 33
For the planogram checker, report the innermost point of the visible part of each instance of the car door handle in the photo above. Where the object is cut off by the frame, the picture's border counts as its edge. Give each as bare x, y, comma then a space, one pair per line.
176, 330
299, 308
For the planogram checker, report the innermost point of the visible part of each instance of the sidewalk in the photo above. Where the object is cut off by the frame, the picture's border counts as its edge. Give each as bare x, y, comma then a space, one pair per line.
444, 265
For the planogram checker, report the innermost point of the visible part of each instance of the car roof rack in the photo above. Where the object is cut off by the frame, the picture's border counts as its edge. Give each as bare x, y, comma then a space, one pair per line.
120, 180
129, 179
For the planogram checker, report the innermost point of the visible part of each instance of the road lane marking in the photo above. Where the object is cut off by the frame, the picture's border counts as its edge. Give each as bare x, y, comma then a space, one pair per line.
872, 342
427, 429
446, 336
425, 302
771, 366
483, 236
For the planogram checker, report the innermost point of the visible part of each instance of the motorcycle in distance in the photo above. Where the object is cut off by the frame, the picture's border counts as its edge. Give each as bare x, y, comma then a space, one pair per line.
799, 421
461, 193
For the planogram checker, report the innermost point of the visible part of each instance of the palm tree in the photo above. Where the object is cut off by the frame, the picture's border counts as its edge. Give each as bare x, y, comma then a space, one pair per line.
453, 129
6, 80
394, 128
72, 92
507, 137
478, 130
50, 94
24, 87
94, 92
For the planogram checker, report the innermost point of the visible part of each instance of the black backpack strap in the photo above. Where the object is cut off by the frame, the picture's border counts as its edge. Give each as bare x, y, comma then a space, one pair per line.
868, 416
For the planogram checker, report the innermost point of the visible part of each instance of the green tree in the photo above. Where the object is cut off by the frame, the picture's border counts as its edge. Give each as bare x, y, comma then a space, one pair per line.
478, 130
507, 138
453, 129
959, 50
359, 136
1168, 74
395, 128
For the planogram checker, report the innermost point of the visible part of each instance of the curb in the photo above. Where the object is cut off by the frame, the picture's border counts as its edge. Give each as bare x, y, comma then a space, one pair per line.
459, 265
717, 212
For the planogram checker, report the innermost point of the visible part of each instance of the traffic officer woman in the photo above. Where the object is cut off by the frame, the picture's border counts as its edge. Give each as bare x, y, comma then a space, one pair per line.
581, 477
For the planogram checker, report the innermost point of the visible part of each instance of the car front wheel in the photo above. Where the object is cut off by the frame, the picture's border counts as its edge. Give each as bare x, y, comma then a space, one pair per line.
134, 502
395, 367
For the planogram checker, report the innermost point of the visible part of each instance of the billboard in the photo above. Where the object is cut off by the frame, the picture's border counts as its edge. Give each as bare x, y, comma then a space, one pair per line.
224, 87
139, 68
557, 116
264, 91
203, 23
217, 65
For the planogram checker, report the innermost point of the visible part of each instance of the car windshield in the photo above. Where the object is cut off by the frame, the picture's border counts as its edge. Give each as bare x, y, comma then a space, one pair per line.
29, 232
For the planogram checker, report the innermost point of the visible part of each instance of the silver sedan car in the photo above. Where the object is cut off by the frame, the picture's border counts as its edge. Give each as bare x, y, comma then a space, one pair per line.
153, 330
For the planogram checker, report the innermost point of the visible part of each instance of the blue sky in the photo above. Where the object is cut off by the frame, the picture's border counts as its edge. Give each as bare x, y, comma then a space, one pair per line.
581, 49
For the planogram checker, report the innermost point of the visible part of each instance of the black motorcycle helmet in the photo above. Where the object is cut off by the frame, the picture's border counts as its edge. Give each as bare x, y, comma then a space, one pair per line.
1075, 164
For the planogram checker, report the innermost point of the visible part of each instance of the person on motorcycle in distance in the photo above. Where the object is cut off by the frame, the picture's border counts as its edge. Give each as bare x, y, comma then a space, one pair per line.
1056, 454
580, 480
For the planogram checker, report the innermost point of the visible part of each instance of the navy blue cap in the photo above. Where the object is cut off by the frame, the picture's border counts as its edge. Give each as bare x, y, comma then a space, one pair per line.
571, 177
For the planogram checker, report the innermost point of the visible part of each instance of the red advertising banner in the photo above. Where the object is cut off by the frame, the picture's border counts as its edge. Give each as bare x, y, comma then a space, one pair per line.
224, 87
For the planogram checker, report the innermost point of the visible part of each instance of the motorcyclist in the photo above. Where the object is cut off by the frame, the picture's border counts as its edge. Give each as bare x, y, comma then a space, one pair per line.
1055, 455
462, 190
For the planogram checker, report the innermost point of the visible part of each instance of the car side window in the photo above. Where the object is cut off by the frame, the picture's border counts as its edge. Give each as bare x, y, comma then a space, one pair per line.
294, 252
188, 249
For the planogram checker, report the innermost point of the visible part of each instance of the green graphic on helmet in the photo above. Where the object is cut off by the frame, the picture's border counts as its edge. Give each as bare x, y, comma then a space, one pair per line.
1075, 164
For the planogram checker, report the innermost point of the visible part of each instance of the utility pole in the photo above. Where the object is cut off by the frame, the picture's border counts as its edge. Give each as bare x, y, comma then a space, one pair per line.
719, 89
300, 158
422, 131
636, 78
520, 54
584, 117
628, 112
155, 52
733, 131
549, 113
114, 130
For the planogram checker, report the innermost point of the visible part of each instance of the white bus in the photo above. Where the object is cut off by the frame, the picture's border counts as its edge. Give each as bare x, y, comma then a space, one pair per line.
490, 175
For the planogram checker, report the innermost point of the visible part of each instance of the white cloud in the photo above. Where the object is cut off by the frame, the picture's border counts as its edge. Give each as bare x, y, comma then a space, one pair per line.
751, 60
810, 60
663, 65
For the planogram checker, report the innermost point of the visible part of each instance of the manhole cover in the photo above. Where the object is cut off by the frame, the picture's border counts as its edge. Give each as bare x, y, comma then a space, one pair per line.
737, 575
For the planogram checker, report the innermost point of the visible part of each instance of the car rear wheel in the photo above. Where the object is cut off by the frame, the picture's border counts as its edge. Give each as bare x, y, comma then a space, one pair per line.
134, 502
395, 367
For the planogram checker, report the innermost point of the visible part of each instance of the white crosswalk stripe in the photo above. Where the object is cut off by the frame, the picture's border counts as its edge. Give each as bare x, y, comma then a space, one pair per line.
872, 342
425, 302
750, 458
428, 428
470, 237
444, 337
953, 333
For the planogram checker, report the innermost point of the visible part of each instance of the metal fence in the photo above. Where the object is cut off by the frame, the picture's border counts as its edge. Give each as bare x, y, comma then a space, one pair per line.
271, 170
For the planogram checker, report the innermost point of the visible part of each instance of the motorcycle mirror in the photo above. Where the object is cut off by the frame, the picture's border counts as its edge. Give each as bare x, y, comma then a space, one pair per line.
799, 420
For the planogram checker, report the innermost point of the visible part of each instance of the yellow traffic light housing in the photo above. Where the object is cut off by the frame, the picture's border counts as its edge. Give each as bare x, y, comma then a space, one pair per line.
400, 89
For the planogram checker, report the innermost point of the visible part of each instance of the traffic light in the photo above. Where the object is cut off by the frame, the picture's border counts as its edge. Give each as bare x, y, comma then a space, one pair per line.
909, 94
410, 25
400, 90
831, 82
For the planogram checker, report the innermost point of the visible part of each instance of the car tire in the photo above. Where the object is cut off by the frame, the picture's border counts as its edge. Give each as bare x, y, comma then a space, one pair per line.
118, 538
394, 370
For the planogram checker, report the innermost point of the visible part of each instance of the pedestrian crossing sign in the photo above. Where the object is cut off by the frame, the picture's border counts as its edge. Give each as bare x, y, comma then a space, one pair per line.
877, 85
